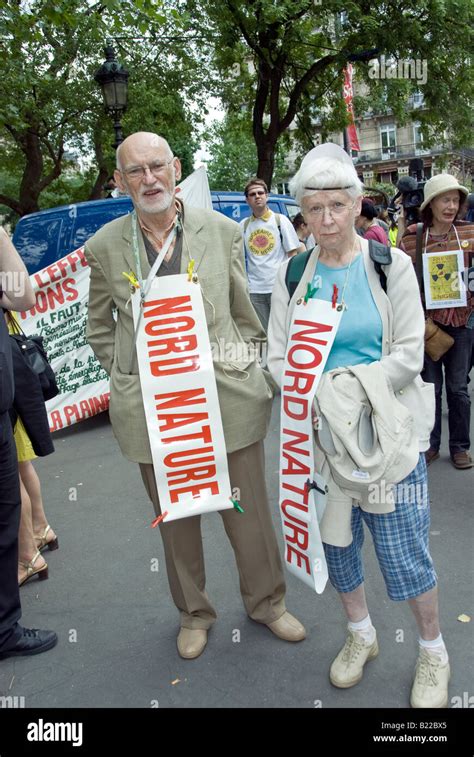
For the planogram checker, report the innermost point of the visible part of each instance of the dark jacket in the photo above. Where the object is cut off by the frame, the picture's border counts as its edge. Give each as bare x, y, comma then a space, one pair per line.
6, 371
28, 404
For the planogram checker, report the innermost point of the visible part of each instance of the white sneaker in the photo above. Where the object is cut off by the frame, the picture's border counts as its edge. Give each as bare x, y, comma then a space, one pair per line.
430, 687
348, 667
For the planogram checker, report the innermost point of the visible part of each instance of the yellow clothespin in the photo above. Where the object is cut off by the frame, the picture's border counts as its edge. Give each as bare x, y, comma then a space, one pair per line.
134, 283
191, 269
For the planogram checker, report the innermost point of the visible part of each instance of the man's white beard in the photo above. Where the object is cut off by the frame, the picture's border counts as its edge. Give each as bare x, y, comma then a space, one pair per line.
163, 202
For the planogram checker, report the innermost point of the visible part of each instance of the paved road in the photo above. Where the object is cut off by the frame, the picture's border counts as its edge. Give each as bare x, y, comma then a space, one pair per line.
117, 624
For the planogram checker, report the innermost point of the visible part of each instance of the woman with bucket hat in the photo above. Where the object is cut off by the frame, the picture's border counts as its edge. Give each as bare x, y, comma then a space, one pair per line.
444, 198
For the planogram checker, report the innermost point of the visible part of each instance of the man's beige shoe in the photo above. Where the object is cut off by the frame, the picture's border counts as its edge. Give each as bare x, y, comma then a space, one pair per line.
191, 642
430, 687
288, 628
348, 667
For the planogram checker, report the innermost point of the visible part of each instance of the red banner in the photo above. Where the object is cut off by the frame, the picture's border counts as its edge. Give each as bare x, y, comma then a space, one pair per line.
348, 95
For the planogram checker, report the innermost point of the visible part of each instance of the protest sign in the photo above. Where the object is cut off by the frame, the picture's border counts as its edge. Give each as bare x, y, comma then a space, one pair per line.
180, 398
302, 489
443, 279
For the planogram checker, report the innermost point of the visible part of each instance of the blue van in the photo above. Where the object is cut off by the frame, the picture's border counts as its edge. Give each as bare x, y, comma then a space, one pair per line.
44, 237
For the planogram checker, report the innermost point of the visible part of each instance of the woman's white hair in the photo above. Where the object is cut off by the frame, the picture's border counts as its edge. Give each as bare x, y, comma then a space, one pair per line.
325, 173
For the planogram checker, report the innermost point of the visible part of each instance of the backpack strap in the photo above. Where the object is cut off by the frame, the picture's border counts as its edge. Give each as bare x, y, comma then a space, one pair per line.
380, 255
278, 223
246, 254
419, 255
295, 269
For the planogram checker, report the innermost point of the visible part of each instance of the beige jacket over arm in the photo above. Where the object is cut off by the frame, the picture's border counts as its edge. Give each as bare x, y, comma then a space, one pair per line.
215, 243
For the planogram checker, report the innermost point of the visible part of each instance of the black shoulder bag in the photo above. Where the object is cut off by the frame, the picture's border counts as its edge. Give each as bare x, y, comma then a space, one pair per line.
36, 358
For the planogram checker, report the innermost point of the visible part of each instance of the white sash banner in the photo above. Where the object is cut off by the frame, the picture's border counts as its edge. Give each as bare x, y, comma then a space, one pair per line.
302, 489
180, 399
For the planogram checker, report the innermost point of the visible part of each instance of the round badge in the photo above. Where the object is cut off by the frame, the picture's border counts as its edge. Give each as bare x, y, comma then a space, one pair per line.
261, 242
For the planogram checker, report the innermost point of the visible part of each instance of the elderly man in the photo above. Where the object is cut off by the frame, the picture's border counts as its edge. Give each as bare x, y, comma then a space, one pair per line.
148, 171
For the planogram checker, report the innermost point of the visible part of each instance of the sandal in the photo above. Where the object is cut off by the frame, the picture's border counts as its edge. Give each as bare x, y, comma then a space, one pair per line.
42, 541
31, 571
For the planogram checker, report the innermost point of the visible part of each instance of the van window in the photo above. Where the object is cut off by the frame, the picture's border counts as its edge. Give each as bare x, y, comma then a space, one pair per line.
293, 210
275, 206
39, 240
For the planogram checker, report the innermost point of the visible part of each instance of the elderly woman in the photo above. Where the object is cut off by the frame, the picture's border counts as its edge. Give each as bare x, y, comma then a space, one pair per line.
385, 330
444, 197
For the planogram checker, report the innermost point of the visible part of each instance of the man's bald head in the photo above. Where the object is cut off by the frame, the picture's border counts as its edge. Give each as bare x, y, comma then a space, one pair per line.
139, 141
148, 172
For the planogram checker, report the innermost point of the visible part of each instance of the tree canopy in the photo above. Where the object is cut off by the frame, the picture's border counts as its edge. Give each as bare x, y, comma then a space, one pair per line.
276, 67
51, 105
284, 62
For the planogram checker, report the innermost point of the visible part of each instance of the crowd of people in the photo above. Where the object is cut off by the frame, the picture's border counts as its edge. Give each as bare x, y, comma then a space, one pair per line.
242, 273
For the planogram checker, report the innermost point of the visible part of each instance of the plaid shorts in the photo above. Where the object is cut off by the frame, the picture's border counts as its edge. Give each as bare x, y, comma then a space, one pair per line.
401, 541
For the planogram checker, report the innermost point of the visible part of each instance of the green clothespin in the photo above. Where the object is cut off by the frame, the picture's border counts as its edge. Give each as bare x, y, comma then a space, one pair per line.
236, 505
310, 292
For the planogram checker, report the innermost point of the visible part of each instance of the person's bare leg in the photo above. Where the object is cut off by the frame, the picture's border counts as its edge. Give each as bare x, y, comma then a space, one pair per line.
27, 548
425, 610
355, 604
32, 485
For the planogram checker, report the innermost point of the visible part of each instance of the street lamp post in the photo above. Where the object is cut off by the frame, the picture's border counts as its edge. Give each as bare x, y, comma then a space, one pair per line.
112, 79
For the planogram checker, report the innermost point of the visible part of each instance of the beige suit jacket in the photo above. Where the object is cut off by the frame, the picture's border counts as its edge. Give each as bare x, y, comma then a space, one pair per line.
215, 243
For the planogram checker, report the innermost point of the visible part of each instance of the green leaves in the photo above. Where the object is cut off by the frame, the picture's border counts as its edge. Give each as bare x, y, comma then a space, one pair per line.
49, 53
268, 62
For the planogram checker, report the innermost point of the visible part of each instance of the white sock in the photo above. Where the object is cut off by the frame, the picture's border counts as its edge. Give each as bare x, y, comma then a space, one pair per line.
364, 628
435, 646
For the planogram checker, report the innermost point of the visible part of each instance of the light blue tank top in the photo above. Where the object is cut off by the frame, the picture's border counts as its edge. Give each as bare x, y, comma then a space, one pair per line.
359, 338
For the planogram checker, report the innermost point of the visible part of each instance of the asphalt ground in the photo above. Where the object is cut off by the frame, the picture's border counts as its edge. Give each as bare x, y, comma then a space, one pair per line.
117, 625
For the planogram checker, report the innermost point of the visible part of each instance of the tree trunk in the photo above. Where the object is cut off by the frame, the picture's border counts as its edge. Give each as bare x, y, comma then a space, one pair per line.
30, 182
102, 176
266, 160
96, 192
33, 180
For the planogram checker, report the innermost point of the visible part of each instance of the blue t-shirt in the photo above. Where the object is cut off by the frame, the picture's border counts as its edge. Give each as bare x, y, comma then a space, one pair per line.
359, 338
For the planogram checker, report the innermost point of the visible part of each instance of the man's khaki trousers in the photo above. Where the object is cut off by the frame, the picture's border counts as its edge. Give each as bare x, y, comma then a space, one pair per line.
253, 540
